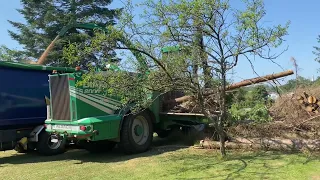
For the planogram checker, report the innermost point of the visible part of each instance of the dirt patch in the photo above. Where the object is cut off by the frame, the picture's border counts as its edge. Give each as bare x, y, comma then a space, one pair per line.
316, 177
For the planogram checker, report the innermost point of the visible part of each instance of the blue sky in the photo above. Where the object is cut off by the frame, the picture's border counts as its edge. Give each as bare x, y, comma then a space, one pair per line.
303, 32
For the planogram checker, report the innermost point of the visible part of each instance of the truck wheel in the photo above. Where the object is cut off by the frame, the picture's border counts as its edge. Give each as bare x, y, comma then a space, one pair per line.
99, 146
46, 147
136, 133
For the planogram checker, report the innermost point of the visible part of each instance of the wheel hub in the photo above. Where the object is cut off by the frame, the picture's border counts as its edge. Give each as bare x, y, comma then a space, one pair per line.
54, 142
140, 130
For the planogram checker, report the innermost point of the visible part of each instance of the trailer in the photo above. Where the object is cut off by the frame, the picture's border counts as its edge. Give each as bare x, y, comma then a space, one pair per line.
98, 122
23, 108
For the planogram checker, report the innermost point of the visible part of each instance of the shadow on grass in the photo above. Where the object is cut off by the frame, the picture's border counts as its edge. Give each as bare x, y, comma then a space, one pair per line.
159, 146
197, 164
235, 165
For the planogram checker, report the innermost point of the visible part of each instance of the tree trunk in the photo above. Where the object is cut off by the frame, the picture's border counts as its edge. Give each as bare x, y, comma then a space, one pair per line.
219, 129
223, 108
222, 137
201, 55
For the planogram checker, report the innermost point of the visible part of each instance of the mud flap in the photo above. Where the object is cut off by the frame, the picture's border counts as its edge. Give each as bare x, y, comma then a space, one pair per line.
22, 145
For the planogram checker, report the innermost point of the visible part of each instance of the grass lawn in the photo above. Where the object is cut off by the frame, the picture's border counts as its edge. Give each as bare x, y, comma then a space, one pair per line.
161, 162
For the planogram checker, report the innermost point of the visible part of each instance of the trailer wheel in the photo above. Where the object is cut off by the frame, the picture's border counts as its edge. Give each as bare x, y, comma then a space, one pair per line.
98, 146
136, 133
46, 147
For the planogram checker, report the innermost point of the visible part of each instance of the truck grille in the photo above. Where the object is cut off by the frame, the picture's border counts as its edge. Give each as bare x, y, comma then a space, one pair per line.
60, 97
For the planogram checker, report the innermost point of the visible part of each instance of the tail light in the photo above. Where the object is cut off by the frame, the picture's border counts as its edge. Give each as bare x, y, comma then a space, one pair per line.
83, 128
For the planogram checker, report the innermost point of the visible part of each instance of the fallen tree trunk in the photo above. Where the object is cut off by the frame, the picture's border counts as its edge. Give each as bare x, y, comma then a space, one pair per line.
264, 144
236, 85
259, 79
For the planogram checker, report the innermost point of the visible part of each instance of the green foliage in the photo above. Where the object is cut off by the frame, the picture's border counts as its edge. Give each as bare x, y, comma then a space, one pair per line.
212, 36
44, 20
122, 85
250, 105
257, 113
7, 54
293, 83
317, 81
167, 23
317, 50
259, 93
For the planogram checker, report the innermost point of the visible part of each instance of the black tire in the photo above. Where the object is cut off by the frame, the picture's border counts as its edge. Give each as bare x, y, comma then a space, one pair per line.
99, 146
43, 145
127, 142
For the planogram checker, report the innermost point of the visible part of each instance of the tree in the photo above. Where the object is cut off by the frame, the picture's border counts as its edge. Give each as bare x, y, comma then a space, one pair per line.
292, 84
7, 54
317, 50
44, 19
227, 34
259, 93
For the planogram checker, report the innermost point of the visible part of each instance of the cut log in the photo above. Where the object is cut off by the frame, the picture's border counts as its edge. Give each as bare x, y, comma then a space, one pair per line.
228, 145
265, 143
259, 79
236, 85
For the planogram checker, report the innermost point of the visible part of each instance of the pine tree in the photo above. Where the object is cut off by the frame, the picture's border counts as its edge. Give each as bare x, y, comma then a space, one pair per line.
45, 18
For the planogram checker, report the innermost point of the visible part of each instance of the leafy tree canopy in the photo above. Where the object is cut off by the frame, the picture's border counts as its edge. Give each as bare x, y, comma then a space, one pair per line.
44, 19
7, 54
212, 36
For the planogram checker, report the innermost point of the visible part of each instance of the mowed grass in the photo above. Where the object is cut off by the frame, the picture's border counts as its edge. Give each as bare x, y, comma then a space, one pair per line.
161, 162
